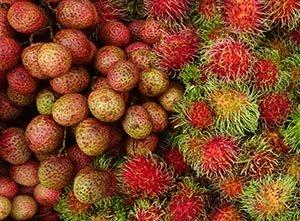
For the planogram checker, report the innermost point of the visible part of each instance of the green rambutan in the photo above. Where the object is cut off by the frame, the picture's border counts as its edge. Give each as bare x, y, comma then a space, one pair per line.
271, 198
226, 212
144, 210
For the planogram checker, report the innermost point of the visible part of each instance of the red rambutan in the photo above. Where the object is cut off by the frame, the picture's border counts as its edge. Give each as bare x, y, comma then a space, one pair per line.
109, 10
276, 142
200, 115
266, 73
225, 213
174, 158
232, 186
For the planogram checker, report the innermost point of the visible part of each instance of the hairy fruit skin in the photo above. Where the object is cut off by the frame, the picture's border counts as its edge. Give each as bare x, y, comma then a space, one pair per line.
10, 53
25, 174
23, 207
200, 115
115, 33
8, 187
266, 73
174, 158
45, 196
226, 212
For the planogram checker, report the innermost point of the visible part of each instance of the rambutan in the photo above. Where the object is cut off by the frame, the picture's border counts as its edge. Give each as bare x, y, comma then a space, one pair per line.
276, 142
225, 213
144, 210
207, 13
154, 182
174, 158
109, 10
178, 49
232, 187
270, 199
292, 167
200, 115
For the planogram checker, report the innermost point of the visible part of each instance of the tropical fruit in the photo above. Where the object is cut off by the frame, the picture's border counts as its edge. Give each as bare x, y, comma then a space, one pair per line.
10, 52
5, 207
25, 174
115, 33
23, 207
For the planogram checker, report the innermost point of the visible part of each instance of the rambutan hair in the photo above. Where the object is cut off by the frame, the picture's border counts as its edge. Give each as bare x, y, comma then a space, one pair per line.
146, 210
226, 212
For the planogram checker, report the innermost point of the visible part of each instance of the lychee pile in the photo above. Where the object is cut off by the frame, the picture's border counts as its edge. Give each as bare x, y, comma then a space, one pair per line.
150, 110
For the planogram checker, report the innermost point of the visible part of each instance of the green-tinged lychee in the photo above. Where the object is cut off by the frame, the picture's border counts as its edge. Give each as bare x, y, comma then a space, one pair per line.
25, 174
159, 116
141, 147
45, 100
23, 207
137, 122
171, 97
5, 207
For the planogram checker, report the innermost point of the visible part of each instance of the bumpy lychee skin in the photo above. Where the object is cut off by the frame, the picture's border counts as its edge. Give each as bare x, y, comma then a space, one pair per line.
54, 59
25, 174
5, 29
137, 122
151, 31
5, 207
92, 136
70, 109
135, 28
79, 158
200, 115
10, 53
55, 172
175, 159
79, 14
156, 179
141, 147
45, 196
144, 59
115, 33
136, 46
77, 42
21, 81
90, 185
21, 100
107, 56
106, 105
158, 115
274, 109
123, 76
226, 212
44, 101
13, 146
8, 187
171, 97
26, 17
43, 134
23, 207
8, 110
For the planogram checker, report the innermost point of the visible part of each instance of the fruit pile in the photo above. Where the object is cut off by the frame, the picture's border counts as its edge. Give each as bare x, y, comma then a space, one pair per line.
150, 110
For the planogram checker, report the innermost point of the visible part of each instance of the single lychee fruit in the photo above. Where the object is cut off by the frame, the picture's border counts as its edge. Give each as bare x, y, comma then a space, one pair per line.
79, 158
55, 172
158, 115
8, 110
23, 207
226, 212
144, 59
10, 53
44, 101
79, 14
26, 17
151, 31
107, 56
141, 147
123, 76
136, 46
156, 179
5, 29
175, 159
115, 33
70, 109
8, 187
43, 134
21, 100
135, 28
171, 97
106, 105
13, 146
45, 196
25, 174
5, 207
200, 115
92, 136
137, 122
54, 59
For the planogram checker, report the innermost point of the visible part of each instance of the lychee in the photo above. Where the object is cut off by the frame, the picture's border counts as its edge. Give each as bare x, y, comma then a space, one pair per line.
10, 53
141, 147
45, 196
23, 207
5, 207
25, 174
45, 100
8, 187
158, 115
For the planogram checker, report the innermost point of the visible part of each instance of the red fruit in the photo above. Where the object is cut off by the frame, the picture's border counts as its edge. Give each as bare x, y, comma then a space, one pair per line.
123, 76
135, 28
25, 174
109, 10
229, 59
50, 217
77, 42
13, 147
276, 142
21, 81
43, 134
54, 59
144, 59
75, 81
115, 33
107, 56
175, 160
141, 147
8, 187
146, 212
79, 158
23, 208
219, 155
136, 46
93, 51
156, 179
274, 109
80, 14
294, 36
232, 187
8, 111
225, 213
45, 196
21, 100
26, 17
266, 73
151, 31
177, 50
158, 115
5, 28
200, 115
10, 52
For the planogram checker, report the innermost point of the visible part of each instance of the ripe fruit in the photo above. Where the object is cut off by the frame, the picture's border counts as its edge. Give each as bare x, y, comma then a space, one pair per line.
21, 81
200, 115
137, 122
158, 115
5, 207
171, 97
90, 185
5, 28
10, 52
141, 147
79, 159
123, 76
145, 210
151, 31
54, 59
135, 28
26, 17
136, 46
92, 136
8, 111
110, 10
45, 196
43, 135
13, 146
106, 105
156, 179
226, 212
79, 14
153, 83
232, 186
44, 101
21, 100
115, 33
70, 109
143, 58
107, 56
8, 187
266, 73
55, 172
25, 174
174, 158
23, 207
